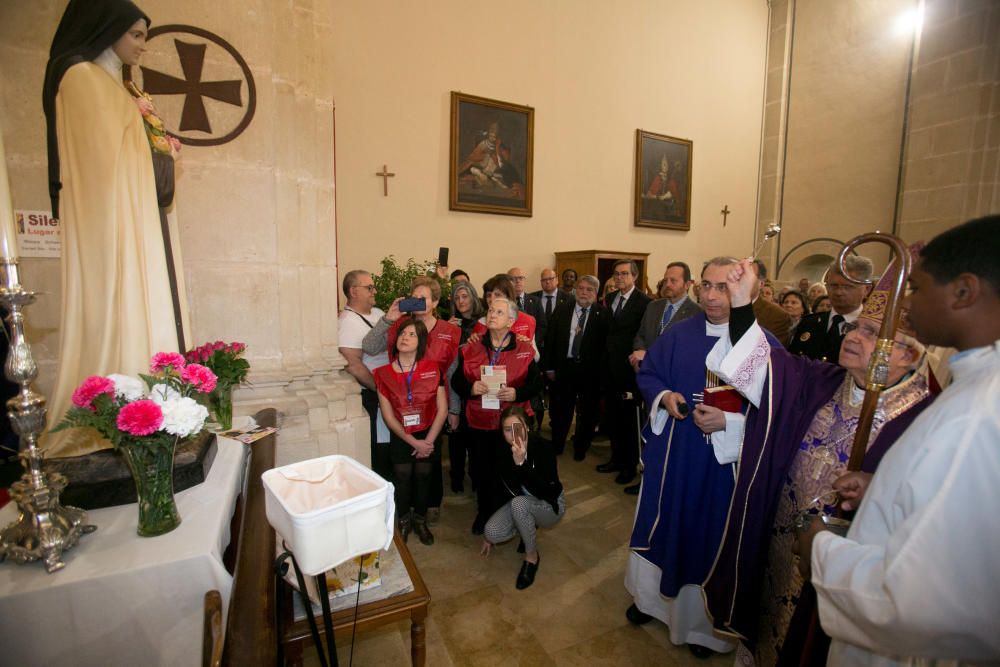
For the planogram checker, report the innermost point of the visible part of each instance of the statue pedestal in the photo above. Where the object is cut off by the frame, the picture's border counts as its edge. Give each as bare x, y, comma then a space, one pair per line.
102, 479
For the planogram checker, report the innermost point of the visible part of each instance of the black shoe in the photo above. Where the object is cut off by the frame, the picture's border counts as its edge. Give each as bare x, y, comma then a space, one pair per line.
478, 525
609, 467
636, 617
422, 531
579, 456
405, 525
633, 490
520, 547
700, 651
526, 576
457, 487
625, 476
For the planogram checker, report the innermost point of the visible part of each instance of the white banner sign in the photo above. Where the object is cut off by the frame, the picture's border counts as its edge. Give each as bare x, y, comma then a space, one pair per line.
38, 234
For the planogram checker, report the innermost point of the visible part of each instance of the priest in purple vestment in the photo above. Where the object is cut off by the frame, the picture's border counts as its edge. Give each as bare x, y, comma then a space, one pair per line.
688, 473
799, 432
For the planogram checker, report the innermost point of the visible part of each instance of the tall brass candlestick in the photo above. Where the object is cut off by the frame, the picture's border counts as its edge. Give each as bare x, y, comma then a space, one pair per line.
44, 528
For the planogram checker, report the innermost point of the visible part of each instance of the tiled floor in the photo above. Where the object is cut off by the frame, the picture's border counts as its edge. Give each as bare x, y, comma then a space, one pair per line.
574, 614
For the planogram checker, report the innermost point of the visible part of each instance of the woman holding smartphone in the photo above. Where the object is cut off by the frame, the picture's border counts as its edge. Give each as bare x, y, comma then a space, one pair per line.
414, 405
530, 487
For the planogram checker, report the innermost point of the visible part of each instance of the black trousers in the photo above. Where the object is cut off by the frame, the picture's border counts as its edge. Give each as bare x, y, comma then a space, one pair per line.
380, 452
484, 449
575, 389
623, 422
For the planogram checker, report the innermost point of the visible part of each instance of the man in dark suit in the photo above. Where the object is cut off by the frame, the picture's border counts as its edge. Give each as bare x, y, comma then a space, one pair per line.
769, 315
550, 297
526, 303
663, 313
574, 348
621, 395
819, 335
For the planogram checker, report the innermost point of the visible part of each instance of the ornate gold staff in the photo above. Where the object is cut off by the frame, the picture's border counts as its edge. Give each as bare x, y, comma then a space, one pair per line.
878, 367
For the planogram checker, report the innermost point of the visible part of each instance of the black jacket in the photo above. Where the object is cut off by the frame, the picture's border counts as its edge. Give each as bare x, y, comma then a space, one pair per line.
539, 474
814, 340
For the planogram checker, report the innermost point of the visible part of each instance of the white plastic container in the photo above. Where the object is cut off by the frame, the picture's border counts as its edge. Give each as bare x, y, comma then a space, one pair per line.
329, 510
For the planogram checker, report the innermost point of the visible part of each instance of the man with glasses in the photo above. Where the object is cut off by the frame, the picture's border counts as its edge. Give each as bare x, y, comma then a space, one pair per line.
355, 321
799, 434
819, 335
627, 304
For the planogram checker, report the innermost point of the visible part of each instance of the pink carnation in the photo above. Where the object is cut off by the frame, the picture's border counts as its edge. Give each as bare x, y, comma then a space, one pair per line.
206, 354
140, 418
201, 377
163, 359
91, 388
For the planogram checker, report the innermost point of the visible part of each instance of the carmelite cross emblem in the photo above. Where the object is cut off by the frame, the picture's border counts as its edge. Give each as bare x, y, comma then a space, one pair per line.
192, 49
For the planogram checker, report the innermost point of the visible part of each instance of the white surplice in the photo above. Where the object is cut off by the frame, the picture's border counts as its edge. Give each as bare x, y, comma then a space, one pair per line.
917, 580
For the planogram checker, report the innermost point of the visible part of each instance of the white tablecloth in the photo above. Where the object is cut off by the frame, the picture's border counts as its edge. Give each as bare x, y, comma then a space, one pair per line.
124, 599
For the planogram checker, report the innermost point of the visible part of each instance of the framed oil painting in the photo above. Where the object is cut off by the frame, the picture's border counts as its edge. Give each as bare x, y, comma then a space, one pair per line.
491, 156
662, 181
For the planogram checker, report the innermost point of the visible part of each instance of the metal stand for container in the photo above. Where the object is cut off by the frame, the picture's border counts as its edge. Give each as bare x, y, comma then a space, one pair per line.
280, 568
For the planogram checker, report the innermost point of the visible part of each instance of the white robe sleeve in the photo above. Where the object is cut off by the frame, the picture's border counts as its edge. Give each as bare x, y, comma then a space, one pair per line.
919, 572
743, 365
727, 442
658, 414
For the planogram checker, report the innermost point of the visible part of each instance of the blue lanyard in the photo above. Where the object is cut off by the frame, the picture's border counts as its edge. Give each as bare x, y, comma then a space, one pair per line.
495, 354
409, 380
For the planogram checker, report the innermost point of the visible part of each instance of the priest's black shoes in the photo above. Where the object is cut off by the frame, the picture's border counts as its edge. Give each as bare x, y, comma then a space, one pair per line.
609, 467
625, 476
636, 617
700, 651
526, 576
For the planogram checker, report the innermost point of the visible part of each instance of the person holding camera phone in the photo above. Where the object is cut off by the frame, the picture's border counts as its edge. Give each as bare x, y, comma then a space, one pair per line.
530, 487
442, 348
414, 405
503, 358
466, 308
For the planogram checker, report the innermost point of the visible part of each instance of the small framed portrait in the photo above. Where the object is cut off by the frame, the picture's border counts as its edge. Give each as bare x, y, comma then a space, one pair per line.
662, 181
491, 156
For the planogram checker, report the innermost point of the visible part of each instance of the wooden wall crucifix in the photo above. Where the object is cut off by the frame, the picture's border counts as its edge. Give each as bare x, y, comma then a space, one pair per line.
386, 175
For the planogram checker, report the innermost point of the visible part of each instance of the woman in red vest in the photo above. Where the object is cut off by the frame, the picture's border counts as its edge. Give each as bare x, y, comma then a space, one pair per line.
493, 373
501, 286
414, 405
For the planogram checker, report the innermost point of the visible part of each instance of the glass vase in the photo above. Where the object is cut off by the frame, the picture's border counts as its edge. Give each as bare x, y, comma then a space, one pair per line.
152, 467
221, 406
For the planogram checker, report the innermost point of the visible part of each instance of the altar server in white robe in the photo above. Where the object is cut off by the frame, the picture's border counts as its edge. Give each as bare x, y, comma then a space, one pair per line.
917, 579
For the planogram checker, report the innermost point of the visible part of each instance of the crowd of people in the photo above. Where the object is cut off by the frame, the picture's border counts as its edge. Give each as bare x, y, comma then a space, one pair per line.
740, 399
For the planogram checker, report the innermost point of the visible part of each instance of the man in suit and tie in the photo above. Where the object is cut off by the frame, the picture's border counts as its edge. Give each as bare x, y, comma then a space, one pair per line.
621, 395
664, 313
574, 348
819, 335
550, 297
770, 316
526, 303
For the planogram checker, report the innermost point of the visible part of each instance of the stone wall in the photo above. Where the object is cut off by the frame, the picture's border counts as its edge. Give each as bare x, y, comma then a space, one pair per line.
256, 214
952, 173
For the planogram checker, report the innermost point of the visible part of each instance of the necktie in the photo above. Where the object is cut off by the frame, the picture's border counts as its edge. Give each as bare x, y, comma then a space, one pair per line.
520, 302
621, 304
581, 322
668, 313
548, 306
837, 323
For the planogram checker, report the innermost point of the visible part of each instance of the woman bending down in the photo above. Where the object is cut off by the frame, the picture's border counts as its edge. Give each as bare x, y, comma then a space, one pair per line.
530, 486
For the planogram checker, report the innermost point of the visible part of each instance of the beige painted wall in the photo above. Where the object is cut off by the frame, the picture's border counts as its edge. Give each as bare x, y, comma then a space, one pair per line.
594, 72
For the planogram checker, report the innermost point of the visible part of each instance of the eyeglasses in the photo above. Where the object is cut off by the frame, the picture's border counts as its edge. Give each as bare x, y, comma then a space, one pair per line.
841, 287
622, 274
517, 279
370, 288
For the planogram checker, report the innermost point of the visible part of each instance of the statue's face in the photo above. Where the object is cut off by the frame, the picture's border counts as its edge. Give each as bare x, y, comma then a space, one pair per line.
130, 46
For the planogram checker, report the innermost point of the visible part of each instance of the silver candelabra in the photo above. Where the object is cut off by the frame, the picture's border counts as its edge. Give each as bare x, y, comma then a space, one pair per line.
44, 528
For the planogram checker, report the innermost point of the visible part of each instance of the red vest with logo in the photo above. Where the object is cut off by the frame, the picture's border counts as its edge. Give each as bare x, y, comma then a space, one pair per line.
391, 383
442, 342
517, 361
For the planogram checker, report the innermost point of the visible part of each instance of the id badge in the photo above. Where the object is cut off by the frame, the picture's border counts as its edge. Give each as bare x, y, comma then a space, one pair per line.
411, 417
490, 402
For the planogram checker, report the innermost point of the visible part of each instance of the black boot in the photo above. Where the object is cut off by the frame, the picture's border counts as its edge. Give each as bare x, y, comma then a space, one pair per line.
403, 526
